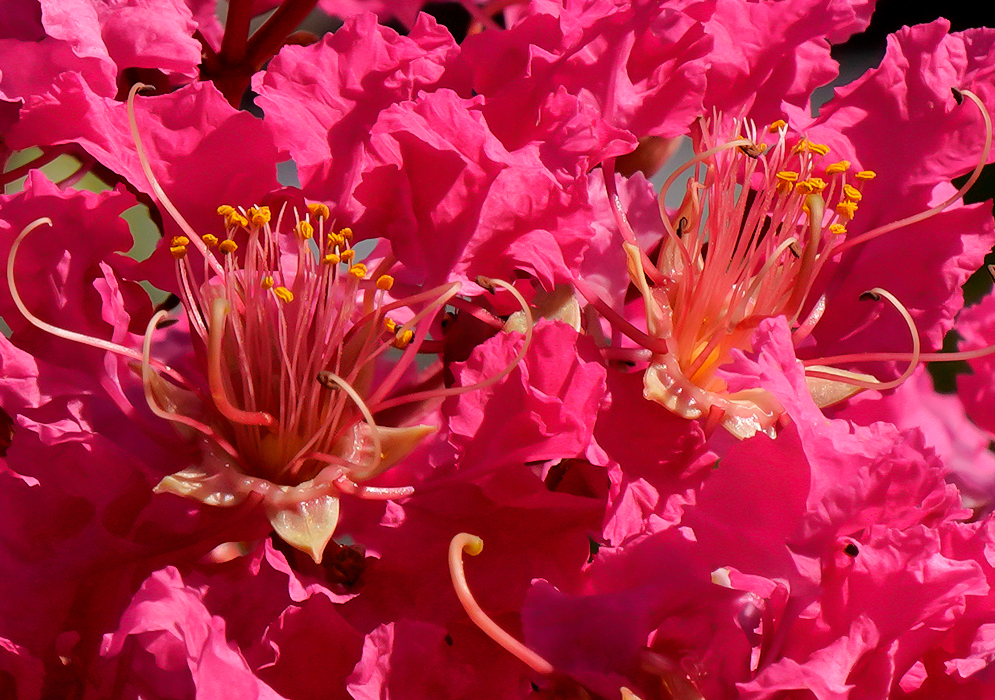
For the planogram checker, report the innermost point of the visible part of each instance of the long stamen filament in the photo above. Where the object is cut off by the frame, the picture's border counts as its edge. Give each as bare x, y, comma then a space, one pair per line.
487, 283
147, 379
73, 336
916, 218
219, 310
473, 545
327, 378
154, 183
914, 358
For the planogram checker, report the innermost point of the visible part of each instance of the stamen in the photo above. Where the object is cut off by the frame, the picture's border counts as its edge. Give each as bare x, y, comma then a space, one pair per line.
73, 336
922, 216
487, 283
219, 310
157, 189
327, 379
473, 546
373, 493
148, 377
848, 378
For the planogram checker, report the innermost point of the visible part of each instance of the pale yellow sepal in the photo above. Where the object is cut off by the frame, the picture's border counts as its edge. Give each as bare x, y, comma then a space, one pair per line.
307, 525
559, 305
395, 445
195, 483
828, 392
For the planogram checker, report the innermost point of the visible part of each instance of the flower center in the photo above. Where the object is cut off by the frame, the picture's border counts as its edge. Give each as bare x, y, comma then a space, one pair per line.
755, 226
751, 235
274, 310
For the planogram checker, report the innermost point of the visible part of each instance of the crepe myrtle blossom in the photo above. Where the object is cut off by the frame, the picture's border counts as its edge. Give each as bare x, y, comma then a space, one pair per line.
292, 332
798, 595
769, 220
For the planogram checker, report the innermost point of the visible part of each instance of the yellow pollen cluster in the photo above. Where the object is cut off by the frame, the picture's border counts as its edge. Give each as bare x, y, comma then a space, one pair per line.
266, 283
358, 270
837, 168
232, 216
813, 185
178, 246
403, 338
305, 230
284, 294
259, 216
777, 126
851, 193
838, 229
385, 282
228, 246
786, 180
809, 147
318, 210
210, 240
846, 209
866, 175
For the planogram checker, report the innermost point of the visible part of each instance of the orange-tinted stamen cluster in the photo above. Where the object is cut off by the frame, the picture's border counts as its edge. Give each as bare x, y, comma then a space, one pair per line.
756, 225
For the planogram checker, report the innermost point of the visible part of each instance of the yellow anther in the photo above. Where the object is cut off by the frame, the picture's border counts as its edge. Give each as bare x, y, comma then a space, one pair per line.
816, 184
777, 126
225, 210
358, 271
259, 216
178, 251
235, 219
335, 239
332, 259
346, 233
228, 246
787, 176
179, 241
347, 254
819, 148
803, 188
866, 175
851, 193
847, 209
266, 282
836, 168
385, 282
318, 210
838, 229
389, 324
403, 339
210, 240
284, 294
305, 230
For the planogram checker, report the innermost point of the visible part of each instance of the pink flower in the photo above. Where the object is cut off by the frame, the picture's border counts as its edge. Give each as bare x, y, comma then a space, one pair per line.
773, 228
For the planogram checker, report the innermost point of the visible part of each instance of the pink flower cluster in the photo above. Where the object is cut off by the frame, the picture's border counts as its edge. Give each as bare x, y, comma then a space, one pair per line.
693, 443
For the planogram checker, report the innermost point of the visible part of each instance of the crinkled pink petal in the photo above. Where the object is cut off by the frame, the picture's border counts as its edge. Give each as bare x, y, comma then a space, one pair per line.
155, 34
767, 52
544, 410
657, 459
960, 445
908, 100
190, 136
440, 175
168, 620
640, 64
414, 659
57, 267
322, 100
976, 325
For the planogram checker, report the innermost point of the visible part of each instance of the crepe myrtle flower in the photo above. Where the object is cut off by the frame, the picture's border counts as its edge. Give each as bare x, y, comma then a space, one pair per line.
300, 345
765, 213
